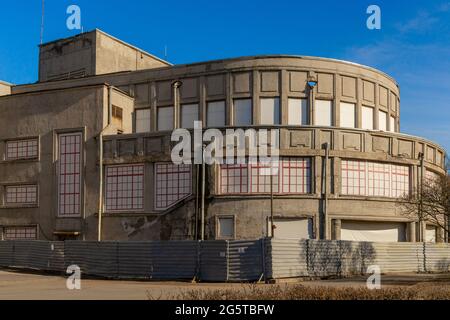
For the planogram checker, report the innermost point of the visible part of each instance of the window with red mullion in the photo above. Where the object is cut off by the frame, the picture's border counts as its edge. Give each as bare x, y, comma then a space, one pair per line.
124, 187
353, 177
400, 180
20, 233
22, 149
173, 183
21, 194
296, 175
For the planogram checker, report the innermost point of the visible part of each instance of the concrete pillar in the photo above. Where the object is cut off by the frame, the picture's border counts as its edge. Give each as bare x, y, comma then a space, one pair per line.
411, 232
336, 232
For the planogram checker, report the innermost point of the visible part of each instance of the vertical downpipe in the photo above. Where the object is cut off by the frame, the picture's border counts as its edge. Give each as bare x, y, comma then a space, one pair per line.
325, 192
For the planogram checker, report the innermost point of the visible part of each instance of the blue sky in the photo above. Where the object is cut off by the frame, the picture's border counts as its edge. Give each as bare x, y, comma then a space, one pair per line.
413, 44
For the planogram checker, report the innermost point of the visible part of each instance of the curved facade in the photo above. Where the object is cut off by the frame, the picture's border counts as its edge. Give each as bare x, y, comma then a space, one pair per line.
346, 193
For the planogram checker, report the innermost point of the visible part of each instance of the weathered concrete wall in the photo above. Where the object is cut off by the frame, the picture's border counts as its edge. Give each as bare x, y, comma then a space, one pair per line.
91, 53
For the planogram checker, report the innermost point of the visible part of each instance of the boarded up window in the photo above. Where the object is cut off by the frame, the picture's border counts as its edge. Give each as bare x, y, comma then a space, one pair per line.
216, 114
347, 114
298, 113
165, 118
143, 118
270, 111
323, 113
189, 114
367, 118
243, 112
382, 120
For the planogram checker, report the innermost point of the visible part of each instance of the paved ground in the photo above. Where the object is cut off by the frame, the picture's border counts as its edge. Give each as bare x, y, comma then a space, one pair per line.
25, 286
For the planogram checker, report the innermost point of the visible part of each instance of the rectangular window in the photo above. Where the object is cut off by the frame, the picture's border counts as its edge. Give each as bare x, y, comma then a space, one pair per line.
400, 181
391, 124
378, 179
69, 174
367, 118
189, 114
165, 118
124, 187
375, 179
347, 114
353, 177
143, 118
270, 111
173, 183
22, 149
243, 112
323, 113
234, 178
382, 120
216, 114
20, 233
294, 177
225, 228
298, 113
117, 117
21, 195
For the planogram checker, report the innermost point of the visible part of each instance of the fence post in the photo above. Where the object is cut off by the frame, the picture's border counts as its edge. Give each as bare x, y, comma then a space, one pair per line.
425, 257
227, 257
263, 259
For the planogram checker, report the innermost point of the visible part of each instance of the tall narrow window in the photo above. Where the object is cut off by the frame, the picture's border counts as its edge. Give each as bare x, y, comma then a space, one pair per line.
382, 120
20, 233
173, 183
124, 187
391, 124
216, 114
323, 113
117, 117
69, 174
367, 118
22, 149
21, 195
143, 117
270, 111
400, 181
347, 114
298, 113
189, 114
243, 112
378, 178
165, 118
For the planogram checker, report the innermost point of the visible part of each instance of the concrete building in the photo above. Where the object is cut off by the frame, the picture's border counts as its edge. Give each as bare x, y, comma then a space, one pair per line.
90, 144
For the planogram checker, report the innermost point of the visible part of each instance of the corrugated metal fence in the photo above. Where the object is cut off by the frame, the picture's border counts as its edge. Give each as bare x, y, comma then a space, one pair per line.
224, 260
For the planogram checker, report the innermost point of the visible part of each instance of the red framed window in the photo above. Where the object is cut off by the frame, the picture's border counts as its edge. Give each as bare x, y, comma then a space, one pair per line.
400, 181
19, 195
293, 175
22, 149
69, 174
296, 175
234, 178
173, 183
353, 177
124, 187
378, 175
20, 233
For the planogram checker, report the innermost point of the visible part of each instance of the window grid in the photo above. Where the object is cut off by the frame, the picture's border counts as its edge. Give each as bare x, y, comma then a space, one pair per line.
294, 176
21, 195
378, 179
124, 187
69, 174
22, 149
353, 177
20, 233
173, 183
400, 180
383, 179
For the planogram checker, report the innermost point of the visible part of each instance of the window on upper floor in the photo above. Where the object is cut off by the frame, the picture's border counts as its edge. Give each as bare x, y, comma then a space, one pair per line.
189, 114
25, 149
270, 111
391, 124
382, 120
243, 112
367, 118
18, 195
298, 112
143, 118
347, 115
172, 184
165, 118
20, 233
323, 113
215, 117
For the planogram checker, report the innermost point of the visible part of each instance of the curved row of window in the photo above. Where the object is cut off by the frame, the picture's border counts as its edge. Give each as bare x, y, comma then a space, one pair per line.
269, 114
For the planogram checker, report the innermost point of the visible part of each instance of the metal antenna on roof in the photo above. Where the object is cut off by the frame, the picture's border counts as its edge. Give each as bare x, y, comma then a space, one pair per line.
165, 52
42, 21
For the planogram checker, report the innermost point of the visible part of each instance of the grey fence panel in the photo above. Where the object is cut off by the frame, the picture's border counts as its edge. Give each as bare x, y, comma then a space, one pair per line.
437, 257
324, 257
41, 255
288, 258
399, 257
174, 259
134, 260
94, 258
213, 261
6, 253
245, 260
355, 257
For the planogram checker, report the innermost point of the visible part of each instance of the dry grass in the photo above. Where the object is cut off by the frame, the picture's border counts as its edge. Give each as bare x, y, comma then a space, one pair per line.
424, 291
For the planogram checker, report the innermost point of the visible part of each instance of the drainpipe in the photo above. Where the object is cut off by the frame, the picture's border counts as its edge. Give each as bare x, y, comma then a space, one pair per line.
325, 187
202, 228
100, 150
422, 171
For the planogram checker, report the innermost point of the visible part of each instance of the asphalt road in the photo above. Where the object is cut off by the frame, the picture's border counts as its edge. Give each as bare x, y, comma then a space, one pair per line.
26, 286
